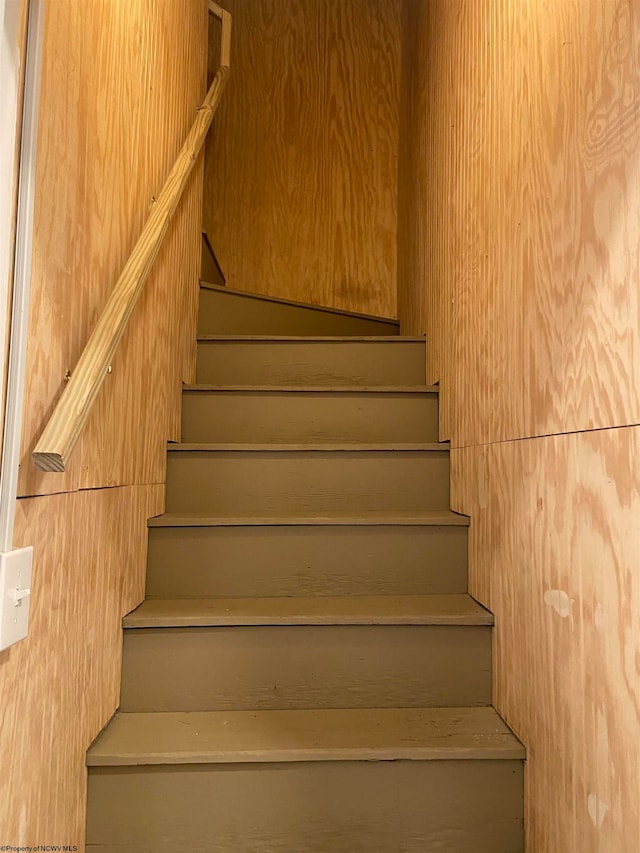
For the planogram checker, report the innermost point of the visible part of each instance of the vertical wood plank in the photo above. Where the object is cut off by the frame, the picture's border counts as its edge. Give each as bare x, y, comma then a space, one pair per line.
525, 192
519, 219
553, 553
120, 87
301, 169
60, 685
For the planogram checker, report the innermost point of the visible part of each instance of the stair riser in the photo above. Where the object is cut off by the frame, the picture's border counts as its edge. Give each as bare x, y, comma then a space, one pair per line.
335, 666
231, 314
317, 807
261, 417
268, 482
310, 363
194, 562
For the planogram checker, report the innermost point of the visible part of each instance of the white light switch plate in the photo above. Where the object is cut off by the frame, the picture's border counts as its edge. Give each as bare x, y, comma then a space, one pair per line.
15, 595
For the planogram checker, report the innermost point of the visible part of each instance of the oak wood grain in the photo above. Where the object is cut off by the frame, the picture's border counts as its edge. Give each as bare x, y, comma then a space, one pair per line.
63, 428
553, 548
121, 88
301, 171
519, 243
61, 685
520, 228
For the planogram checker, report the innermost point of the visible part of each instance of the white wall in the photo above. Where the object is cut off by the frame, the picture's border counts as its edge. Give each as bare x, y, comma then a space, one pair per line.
9, 97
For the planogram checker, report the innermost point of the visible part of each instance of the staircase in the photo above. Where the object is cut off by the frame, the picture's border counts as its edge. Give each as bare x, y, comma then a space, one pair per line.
307, 673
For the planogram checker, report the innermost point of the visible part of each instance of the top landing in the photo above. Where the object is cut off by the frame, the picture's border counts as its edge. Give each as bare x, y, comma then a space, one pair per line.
225, 311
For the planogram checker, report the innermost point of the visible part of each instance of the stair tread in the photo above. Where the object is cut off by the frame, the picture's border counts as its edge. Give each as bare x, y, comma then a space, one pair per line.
311, 339
319, 389
435, 518
457, 609
353, 734
309, 446
250, 294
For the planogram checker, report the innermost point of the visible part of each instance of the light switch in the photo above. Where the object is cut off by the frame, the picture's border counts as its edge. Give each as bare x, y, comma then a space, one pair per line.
15, 595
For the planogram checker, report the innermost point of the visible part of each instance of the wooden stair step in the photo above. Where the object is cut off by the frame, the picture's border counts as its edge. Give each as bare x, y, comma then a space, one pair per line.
283, 300
316, 389
307, 306
317, 610
297, 665
355, 734
312, 479
324, 447
439, 518
309, 414
251, 360
313, 782
232, 311
314, 339
209, 558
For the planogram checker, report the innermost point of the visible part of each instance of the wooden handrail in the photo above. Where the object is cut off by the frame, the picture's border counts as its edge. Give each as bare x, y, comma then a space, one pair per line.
225, 36
72, 409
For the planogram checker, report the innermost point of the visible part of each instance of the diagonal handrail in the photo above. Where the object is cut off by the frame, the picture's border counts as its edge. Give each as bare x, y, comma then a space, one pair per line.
63, 428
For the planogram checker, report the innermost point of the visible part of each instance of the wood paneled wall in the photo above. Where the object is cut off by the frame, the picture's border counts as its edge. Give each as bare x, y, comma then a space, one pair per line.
301, 175
519, 245
525, 144
61, 685
120, 86
554, 544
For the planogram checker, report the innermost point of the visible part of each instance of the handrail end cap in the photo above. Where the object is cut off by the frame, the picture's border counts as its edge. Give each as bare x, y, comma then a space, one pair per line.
50, 462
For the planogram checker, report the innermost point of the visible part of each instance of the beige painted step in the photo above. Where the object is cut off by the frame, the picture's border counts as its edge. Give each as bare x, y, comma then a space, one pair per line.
207, 556
305, 666
316, 610
386, 360
307, 653
338, 781
283, 479
372, 518
224, 311
353, 734
295, 414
